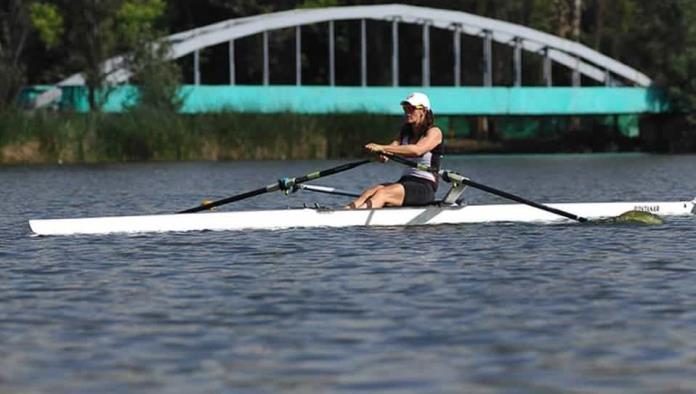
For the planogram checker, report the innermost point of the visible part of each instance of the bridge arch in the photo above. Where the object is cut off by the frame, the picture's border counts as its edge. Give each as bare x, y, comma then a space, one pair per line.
575, 56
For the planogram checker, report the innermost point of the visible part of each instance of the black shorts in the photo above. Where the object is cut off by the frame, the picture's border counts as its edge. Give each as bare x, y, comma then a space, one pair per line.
417, 191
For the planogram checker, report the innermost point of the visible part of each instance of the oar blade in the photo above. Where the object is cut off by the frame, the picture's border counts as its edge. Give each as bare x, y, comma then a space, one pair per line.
633, 218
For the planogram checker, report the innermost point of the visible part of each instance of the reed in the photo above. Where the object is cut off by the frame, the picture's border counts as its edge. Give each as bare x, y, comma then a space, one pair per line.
143, 134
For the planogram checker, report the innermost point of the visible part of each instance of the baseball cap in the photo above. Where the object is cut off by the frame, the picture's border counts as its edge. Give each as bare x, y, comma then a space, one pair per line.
417, 99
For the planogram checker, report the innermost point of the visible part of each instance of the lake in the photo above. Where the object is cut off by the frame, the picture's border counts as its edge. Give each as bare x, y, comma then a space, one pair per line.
522, 308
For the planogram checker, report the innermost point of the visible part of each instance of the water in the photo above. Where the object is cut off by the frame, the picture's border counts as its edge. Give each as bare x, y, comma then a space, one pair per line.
473, 308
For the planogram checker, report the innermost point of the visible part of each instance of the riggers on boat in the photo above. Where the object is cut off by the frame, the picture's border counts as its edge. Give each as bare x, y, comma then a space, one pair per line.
448, 211
313, 217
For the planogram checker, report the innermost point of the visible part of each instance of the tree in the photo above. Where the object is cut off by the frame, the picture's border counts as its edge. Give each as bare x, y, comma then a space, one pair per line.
682, 62
149, 59
92, 40
48, 23
100, 30
14, 32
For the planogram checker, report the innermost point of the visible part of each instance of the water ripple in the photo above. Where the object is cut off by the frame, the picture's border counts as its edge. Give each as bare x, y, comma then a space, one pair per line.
472, 308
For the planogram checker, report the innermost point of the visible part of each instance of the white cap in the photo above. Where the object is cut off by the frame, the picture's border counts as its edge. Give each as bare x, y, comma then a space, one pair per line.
417, 99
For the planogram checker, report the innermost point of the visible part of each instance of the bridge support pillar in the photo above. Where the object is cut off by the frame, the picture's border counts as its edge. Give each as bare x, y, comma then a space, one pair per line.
426, 54
517, 62
548, 77
196, 67
332, 55
457, 49
298, 56
266, 68
487, 58
395, 53
231, 61
363, 52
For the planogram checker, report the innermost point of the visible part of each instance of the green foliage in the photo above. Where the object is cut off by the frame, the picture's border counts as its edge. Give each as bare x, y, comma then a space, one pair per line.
136, 19
91, 40
318, 3
150, 134
100, 30
656, 37
680, 81
48, 22
158, 78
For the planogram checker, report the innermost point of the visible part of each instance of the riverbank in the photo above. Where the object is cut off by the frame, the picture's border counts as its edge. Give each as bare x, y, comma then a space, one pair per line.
142, 135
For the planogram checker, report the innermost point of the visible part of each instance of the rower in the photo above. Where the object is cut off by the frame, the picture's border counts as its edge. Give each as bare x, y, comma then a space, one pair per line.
419, 138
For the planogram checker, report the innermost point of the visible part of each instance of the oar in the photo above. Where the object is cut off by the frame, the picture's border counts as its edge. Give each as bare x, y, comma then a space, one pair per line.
455, 177
282, 184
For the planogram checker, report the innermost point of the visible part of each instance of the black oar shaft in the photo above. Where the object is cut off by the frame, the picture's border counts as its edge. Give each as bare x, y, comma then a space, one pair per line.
459, 178
330, 171
282, 184
521, 200
213, 204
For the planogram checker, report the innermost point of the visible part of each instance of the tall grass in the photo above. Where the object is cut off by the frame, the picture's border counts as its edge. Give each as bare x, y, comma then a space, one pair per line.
142, 134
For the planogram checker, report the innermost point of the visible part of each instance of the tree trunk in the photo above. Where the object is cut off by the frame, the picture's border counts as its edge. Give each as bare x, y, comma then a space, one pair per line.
14, 29
577, 17
599, 23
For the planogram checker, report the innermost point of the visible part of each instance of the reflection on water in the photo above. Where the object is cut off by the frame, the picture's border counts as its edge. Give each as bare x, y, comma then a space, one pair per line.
524, 308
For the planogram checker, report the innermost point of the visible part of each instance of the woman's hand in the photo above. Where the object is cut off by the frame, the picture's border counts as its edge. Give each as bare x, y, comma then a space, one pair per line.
375, 148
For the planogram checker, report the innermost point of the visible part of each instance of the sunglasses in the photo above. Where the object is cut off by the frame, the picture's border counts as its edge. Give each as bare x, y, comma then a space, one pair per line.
410, 108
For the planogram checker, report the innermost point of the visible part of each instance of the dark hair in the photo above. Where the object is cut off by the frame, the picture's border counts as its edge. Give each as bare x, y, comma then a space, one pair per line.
407, 128
429, 120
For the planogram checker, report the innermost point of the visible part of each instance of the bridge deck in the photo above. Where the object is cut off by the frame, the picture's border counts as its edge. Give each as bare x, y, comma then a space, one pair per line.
385, 100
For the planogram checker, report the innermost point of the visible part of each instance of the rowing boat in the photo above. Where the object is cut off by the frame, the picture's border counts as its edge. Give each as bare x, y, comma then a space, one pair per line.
319, 217
450, 210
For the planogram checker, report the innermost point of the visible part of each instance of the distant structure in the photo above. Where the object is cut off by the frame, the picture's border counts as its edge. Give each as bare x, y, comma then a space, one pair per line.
489, 99
577, 57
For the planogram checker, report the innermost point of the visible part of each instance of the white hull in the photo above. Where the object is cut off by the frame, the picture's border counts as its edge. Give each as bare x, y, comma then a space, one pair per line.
287, 218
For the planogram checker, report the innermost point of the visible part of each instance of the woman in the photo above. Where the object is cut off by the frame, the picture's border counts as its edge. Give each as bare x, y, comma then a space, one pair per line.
419, 138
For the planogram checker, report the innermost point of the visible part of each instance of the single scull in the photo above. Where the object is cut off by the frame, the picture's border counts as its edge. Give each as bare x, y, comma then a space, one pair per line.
448, 211
311, 217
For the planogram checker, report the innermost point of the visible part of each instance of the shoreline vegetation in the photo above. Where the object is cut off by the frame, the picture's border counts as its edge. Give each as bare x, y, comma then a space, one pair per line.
46, 137
42, 42
40, 47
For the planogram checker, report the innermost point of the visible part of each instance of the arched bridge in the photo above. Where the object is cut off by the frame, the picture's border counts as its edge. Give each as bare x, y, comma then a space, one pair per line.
618, 88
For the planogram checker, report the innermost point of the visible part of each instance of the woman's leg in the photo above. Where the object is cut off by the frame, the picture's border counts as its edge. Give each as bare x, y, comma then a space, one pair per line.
364, 197
389, 195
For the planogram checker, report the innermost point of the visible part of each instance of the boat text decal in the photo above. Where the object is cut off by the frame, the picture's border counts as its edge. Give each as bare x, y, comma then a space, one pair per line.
647, 208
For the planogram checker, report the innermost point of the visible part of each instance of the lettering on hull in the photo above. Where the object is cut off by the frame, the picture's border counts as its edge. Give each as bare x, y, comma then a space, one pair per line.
647, 208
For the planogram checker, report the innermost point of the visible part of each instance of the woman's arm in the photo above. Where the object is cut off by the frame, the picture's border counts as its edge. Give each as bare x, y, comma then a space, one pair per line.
431, 139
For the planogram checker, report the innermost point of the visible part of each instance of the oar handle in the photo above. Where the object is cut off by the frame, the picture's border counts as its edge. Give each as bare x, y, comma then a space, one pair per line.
455, 177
